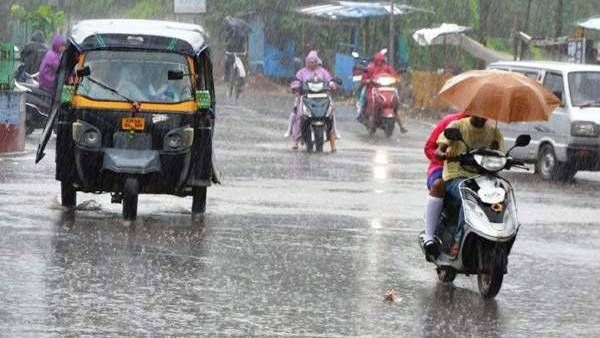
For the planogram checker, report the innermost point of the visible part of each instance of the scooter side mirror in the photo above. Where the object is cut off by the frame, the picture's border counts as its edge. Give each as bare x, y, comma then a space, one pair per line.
338, 81
83, 72
453, 134
522, 140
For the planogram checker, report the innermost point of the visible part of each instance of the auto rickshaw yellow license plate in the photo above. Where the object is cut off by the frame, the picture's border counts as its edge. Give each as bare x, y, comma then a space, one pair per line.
133, 123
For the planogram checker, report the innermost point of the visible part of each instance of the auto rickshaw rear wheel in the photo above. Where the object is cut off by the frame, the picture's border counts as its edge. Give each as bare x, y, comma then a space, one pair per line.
131, 189
199, 200
68, 195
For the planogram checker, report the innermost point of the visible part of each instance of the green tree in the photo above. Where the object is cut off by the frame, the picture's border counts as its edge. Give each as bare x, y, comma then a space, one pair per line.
43, 18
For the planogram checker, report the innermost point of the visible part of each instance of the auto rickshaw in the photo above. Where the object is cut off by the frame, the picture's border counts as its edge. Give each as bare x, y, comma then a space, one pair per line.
135, 114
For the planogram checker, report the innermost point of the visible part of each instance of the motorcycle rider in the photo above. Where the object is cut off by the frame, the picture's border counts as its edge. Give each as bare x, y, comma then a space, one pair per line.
312, 70
33, 53
50, 63
435, 183
477, 134
379, 66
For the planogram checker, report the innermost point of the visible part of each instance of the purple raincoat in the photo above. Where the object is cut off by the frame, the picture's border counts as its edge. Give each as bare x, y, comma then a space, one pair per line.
49, 66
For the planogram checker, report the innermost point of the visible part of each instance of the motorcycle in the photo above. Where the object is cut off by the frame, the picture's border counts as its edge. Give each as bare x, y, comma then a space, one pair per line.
490, 219
316, 106
238, 74
37, 101
385, 101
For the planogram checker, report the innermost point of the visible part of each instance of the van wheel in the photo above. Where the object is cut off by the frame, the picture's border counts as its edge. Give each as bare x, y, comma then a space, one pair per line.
68, 195
549, 168
199, 200
131, 190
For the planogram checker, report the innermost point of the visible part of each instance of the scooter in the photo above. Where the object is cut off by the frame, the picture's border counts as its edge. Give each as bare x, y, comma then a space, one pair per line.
385, 101
317, 109
37, 102
490, 219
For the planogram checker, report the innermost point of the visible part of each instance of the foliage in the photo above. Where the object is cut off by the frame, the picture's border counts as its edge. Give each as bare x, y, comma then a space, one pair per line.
43, 18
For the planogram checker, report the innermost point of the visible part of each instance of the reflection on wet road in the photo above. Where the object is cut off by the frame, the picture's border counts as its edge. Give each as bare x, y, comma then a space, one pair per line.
293, 244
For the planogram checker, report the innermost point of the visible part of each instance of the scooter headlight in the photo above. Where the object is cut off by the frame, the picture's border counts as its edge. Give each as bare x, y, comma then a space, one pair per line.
491, 163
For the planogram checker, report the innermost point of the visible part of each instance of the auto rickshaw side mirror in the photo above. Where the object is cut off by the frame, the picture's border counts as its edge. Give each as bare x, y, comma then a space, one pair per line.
453, 134
83, 72
175, 74
203, 99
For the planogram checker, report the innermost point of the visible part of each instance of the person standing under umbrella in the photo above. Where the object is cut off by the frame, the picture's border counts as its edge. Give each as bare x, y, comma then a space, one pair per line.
235, 36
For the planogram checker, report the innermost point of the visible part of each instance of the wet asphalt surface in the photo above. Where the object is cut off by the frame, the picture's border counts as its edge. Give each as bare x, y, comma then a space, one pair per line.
293, 244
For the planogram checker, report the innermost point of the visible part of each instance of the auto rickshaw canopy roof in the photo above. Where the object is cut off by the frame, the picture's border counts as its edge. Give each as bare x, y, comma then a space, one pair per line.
143, 34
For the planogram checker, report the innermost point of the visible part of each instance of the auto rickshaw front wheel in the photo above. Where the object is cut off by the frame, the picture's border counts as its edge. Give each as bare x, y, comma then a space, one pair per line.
68, 195
131, 189
199, 200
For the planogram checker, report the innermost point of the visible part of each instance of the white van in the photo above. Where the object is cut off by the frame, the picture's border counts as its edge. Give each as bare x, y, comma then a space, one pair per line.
570, 140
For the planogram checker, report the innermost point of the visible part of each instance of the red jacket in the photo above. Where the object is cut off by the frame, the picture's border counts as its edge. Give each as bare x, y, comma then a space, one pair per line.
431, 144
373, 71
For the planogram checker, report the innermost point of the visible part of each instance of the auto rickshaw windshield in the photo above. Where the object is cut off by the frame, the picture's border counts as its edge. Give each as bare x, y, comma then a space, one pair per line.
141, 76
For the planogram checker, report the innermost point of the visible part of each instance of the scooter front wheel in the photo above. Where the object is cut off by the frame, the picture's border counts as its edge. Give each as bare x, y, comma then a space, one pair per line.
490, 282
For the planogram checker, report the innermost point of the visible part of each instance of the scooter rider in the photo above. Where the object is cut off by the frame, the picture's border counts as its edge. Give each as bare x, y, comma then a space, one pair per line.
379, 66
312, 70
477, 135
435, 183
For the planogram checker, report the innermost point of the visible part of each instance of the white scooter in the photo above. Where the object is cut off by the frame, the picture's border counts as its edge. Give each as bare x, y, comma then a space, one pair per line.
490, 219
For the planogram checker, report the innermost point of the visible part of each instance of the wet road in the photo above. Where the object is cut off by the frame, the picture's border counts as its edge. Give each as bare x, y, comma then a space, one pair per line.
293, 244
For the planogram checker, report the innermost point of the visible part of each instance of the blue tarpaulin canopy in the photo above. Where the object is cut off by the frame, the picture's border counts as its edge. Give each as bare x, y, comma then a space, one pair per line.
349, 10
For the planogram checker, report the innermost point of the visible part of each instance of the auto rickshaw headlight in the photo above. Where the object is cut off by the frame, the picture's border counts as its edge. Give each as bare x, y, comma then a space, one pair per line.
174, 141
179, 139
91, 137
86, 135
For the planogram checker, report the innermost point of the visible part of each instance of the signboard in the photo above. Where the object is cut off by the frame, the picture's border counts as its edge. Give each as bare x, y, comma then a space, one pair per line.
190, 6
576, 50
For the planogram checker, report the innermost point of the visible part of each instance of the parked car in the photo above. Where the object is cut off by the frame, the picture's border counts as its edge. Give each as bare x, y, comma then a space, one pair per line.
570, 140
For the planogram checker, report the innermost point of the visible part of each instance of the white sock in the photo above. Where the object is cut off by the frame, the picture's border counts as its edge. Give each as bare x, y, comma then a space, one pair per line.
433, 209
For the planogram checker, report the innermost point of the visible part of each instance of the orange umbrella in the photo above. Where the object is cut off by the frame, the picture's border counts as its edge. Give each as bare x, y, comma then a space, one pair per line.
499, 95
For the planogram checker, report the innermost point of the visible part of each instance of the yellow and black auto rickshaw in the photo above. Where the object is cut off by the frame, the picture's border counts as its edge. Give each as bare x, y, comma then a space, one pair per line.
135, 112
